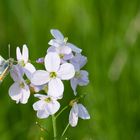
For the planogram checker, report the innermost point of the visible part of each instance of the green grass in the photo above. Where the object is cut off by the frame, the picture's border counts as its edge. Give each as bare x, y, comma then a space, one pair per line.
109, 34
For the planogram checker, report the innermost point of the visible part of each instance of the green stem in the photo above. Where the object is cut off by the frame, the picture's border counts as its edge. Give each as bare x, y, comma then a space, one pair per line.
61, 111
54, 127
63, 133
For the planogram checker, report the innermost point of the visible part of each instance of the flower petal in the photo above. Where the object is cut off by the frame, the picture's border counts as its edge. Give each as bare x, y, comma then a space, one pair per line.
40, 77
66, 71
55, 88
57, 34
15, 92
25, 53
53, 107
74, 83
25, 92
29, 69
74, 48
52, 62
82, 112
42, 114
18, 54
73, 116
16, 73
39, 105
55, 42
83, 81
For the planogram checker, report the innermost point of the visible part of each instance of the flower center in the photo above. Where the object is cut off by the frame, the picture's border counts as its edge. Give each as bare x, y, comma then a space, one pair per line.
78, 74
61, 55
21, 85
48, 100
53, 75
22, 63
45, 89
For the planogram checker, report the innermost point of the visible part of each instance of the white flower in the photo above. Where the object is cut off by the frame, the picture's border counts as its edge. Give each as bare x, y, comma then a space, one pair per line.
19, 91
61, 43
81, 76
45, 106
55, 72
23, 60
78, 110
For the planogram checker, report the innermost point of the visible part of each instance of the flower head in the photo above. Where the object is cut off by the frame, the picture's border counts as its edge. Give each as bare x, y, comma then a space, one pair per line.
78, 110
81, 76
46, 106
23, 61
55, 72
19, 91
63, 47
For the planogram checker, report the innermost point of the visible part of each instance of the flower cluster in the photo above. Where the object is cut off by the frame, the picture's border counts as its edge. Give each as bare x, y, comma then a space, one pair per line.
63, 61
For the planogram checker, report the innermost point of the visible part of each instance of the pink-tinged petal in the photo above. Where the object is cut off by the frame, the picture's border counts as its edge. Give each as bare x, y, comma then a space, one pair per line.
29, 69
73, 116
18, 54
25, 92
39, 105
16, 73
52, 62
82, 112
74, 48
66, 71
74, 83
52, 107
83, 81
15, 92
40, 77
25, 53
55, 88
57, 34
42, 114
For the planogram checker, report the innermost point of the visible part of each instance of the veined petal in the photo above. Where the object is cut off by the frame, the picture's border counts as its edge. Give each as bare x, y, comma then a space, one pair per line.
66, 71
29, 69
52, 62
74, 48
55, 88
74, 83
18, 54
40, 77
15, 92
53, 107
82, 112
25, 92
42, 114
73, 116
83, 81
25, 53
57, 34
16, 73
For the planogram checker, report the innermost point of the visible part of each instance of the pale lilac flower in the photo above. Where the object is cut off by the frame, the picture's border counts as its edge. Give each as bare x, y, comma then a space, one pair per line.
81, 76
23, 61
40, 60
61, 43
19, 91
46, 106
55, 72
78, 110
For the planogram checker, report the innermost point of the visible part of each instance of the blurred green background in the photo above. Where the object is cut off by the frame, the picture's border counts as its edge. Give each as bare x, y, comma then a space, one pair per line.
109, 34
